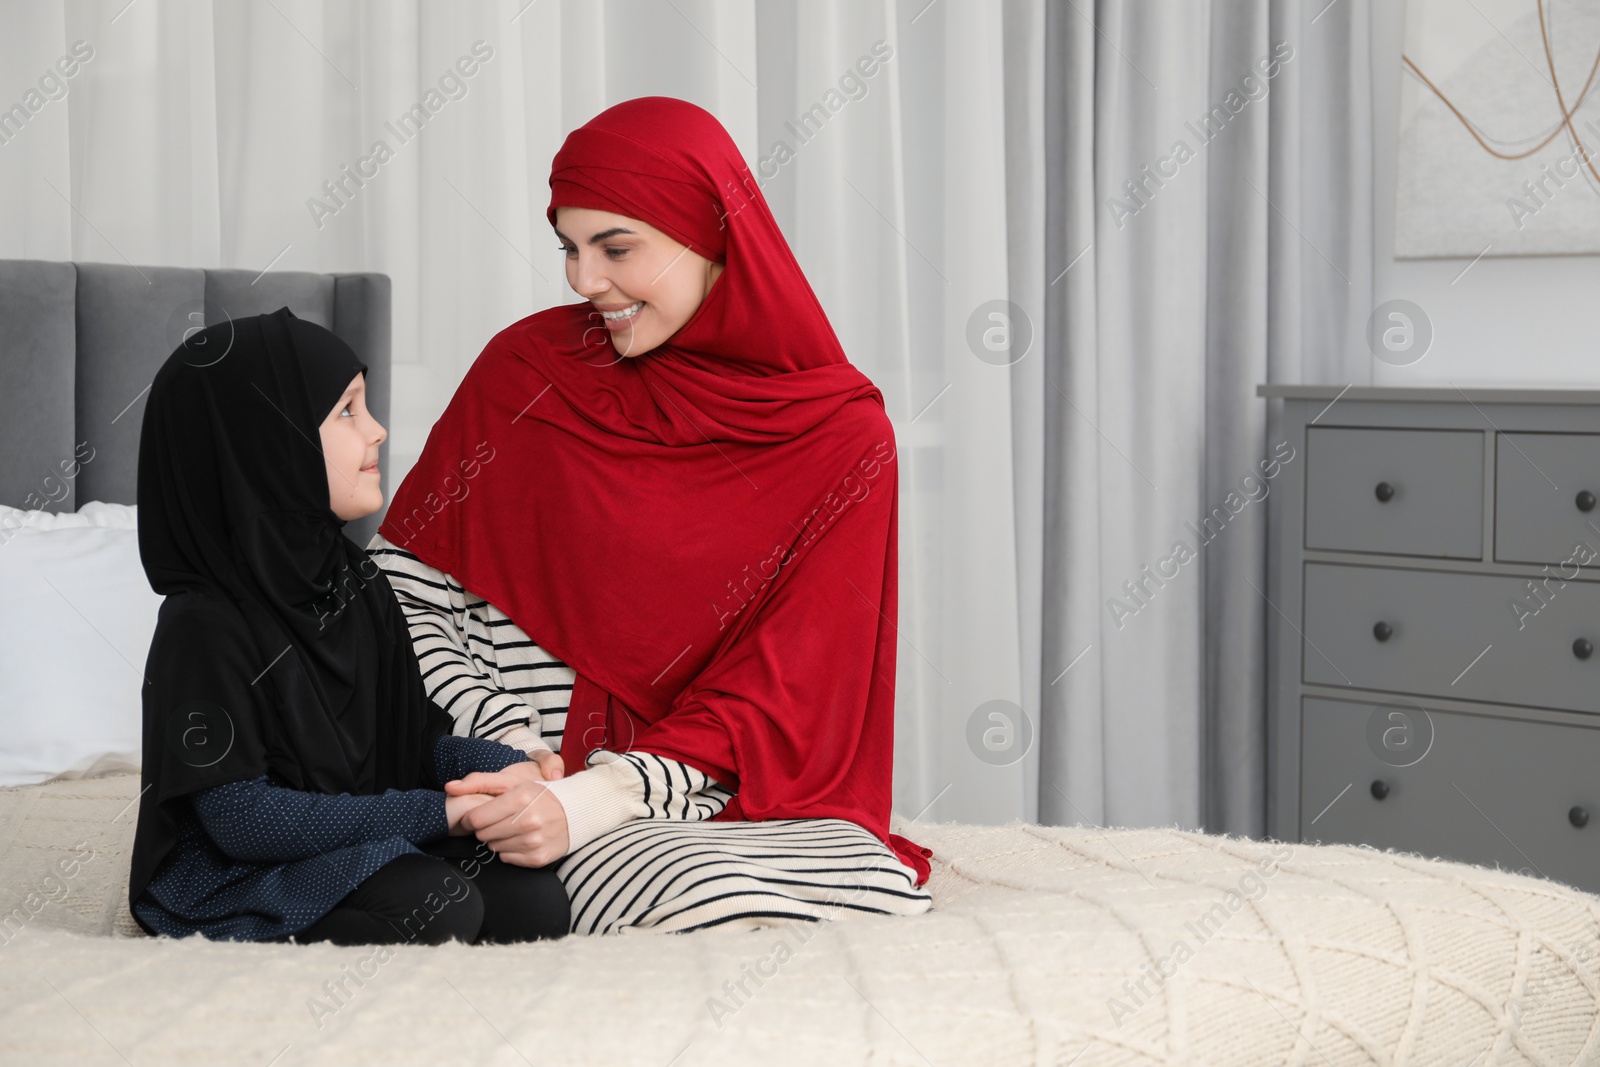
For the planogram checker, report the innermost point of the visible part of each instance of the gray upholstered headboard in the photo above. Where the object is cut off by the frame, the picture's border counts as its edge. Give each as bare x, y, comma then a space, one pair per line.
80, 342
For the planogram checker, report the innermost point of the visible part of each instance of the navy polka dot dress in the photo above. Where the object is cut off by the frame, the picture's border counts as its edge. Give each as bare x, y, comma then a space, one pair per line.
258, 861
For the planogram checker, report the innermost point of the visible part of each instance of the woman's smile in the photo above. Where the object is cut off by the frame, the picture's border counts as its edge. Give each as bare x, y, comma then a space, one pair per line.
623, 318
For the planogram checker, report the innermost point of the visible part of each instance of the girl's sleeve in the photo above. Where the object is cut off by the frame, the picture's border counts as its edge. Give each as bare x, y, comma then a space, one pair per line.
617, 788
456, 757
257, 822
434, 603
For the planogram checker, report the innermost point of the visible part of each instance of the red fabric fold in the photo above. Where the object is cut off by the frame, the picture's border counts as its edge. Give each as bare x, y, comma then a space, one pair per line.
707, 533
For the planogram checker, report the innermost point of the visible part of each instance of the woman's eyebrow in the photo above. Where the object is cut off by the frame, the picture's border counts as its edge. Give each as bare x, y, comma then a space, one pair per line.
602, 235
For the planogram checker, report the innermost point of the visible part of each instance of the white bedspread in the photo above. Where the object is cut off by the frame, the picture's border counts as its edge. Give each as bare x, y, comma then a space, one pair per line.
1046, 945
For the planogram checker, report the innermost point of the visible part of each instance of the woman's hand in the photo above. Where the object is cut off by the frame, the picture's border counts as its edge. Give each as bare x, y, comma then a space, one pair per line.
518, 819
457, 806
549, 763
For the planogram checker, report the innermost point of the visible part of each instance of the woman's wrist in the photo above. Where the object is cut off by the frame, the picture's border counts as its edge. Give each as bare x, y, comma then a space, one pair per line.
598, 800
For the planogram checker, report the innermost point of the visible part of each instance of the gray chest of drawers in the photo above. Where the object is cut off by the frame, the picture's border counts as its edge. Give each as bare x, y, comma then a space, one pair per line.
1434, 576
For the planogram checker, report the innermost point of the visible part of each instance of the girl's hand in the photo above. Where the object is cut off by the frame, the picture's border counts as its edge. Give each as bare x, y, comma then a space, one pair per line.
496, 782
456, 807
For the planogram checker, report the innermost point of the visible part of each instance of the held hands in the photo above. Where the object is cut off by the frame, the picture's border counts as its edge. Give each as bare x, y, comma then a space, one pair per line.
511, 812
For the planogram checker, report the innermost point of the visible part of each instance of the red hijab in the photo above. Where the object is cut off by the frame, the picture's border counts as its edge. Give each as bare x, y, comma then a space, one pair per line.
706, 533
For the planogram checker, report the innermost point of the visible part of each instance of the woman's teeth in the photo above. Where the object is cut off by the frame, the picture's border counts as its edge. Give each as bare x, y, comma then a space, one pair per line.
625, 313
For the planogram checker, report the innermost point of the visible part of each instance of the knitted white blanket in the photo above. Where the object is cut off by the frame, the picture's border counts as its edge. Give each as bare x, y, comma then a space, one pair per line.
1046, 945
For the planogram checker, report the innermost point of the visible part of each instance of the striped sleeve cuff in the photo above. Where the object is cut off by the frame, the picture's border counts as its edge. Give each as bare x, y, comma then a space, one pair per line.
524, 738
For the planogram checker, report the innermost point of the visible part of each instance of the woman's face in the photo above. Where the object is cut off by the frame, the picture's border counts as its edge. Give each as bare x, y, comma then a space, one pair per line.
616, 262
350, 440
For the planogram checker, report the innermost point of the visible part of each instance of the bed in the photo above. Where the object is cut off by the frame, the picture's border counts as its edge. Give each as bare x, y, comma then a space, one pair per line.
1044, 945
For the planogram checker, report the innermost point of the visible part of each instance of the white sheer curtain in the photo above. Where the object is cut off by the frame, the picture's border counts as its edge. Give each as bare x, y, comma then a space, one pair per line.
197, 134
968, 168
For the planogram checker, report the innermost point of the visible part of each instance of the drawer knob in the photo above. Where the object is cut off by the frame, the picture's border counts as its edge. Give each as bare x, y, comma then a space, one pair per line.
1585, 501
1583, 648
1578, 817
1382, 631
1380, 789
1384, 492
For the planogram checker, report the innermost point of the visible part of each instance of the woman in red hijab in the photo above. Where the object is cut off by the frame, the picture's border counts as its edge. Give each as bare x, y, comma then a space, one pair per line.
693, 501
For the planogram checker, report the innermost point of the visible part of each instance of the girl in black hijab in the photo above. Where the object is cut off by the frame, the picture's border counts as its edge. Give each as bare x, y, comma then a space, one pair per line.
293, 763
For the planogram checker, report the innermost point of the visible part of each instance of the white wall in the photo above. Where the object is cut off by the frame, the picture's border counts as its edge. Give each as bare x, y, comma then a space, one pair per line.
1509, 320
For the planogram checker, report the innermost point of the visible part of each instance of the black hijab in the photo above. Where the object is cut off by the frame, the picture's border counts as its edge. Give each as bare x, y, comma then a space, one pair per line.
280, 645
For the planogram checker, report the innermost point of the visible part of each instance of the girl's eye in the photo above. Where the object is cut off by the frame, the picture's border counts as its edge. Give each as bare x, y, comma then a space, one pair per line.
346, 409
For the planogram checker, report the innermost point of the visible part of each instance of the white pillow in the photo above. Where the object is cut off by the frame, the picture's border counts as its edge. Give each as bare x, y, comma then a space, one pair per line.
73, 645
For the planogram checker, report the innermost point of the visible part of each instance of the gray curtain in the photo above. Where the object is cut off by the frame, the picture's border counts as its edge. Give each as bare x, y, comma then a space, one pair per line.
1178, 245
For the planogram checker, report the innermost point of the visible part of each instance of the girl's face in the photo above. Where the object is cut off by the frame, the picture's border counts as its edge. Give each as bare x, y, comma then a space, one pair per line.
616, 262
350, 440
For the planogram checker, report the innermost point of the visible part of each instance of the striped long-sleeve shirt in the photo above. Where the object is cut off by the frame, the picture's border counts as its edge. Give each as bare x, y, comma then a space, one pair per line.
641, 853
496, 682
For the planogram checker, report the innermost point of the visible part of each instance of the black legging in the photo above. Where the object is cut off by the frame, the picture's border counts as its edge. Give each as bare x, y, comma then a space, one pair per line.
467, 894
